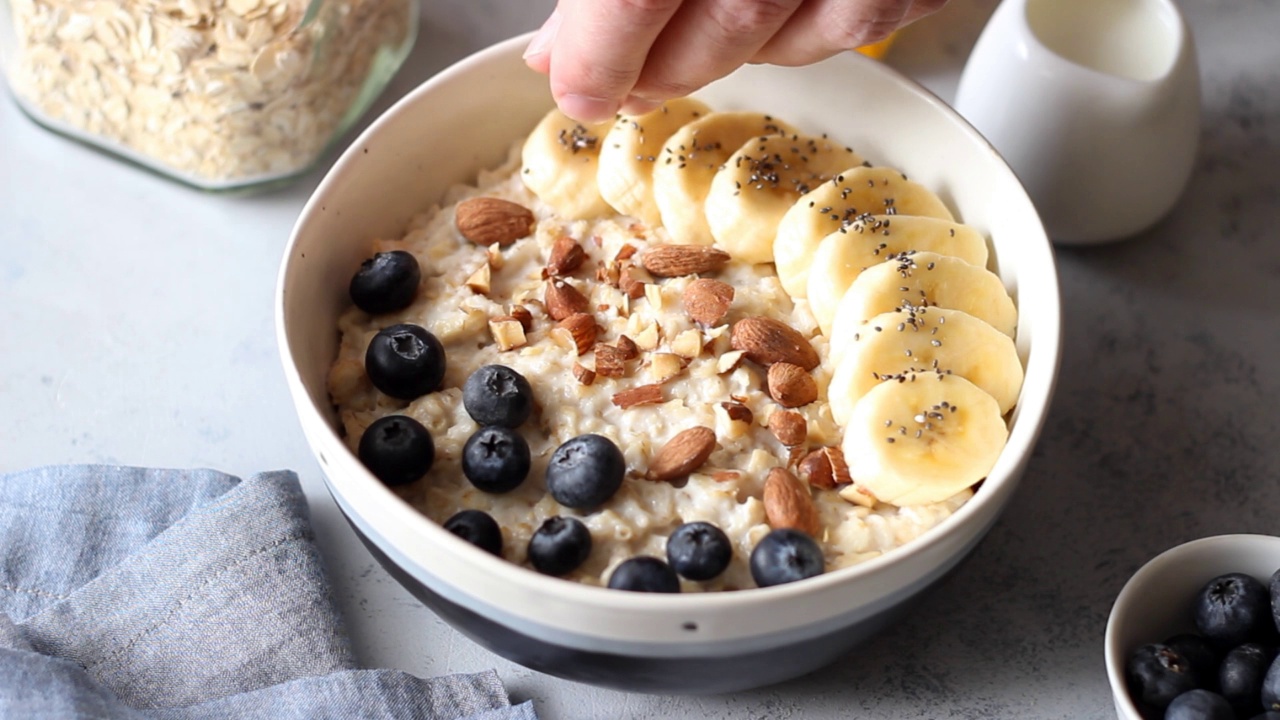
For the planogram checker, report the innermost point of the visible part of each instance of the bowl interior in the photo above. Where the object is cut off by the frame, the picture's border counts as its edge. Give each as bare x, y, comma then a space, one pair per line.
1156, 603
466, 119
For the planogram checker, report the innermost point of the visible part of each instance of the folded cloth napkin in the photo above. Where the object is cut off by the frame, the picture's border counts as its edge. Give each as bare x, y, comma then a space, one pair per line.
184, 595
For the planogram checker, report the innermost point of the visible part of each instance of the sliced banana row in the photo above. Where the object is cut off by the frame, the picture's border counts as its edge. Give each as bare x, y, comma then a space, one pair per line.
924, 366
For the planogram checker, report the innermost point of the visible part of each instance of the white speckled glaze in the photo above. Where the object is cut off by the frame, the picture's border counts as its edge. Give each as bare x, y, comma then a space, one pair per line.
1156, 603
464, 120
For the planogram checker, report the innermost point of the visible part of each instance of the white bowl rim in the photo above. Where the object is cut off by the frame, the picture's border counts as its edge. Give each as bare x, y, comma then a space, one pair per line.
1032, 411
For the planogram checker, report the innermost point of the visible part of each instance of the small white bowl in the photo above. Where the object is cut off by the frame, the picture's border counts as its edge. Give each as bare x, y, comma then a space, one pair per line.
465, 119
1157, 601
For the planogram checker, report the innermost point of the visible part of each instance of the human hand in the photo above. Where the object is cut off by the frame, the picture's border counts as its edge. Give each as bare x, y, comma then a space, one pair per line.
631, 55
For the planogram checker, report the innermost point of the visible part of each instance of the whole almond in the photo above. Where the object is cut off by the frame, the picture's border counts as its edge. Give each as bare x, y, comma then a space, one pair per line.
707, 301
815, 469
566, 256
791, 385
489, 220
788, 504
766, 341
677, 260
682, 454
563, 300
789, 427
582, 327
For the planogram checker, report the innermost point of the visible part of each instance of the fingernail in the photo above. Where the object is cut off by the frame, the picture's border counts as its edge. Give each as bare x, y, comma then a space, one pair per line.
639, 106
546, 35
588, 109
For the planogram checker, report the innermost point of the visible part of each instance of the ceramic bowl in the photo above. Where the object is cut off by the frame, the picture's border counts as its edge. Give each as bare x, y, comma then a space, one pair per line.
1157, 601
467, 118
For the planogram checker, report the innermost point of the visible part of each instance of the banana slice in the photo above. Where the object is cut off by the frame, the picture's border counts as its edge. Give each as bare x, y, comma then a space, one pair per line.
856, 193
838, 259
559, 163
630, 151
760, 182
921, 279
928, 342
911, 443
689, 161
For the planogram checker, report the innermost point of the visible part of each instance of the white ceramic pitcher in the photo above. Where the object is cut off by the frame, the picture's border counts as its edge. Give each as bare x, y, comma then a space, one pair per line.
1096, 106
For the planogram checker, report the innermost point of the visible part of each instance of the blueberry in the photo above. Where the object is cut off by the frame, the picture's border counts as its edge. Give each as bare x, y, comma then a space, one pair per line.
1274, 587
559, 545
1202, 656
1271, 687
478, 528
386, 282
785, 555
699, 550
585, 471
497, 395
1199, 705
397, 449
1156, 674
1240, 677
496, 459
1234, 609
405, 361
644, 574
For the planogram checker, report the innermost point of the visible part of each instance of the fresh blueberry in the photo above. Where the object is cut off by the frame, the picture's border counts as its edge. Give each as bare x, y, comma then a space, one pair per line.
1199, 705
496, 459
699, 550
1202, 656
1156, 674
405, 361
785, 555
1240, 677
559, 545
478, 528
1234, 609
1271, 687
644, 574
585, 471
497, 395
386, 282
397, 449
1274, 587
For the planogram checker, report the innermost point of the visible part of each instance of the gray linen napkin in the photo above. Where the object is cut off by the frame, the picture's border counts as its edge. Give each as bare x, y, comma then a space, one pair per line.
184, 595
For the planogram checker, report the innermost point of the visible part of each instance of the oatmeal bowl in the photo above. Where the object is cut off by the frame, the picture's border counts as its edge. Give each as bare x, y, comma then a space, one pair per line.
688, 402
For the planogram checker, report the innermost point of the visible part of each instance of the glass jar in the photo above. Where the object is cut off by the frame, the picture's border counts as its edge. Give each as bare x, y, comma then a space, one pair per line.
219, 94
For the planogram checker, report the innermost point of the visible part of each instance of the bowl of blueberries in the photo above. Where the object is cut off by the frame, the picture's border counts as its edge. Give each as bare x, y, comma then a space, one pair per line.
1194, 633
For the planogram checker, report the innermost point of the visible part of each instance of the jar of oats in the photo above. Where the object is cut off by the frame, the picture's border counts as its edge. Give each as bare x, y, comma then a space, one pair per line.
219, 94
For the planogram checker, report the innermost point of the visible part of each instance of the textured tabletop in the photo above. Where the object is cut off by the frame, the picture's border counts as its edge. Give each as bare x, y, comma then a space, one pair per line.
136, 327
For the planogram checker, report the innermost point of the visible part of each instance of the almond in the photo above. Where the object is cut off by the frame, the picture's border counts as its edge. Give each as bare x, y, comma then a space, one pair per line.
480, 280
707, 301
642, 395
725, 475
628, 347
791, 386
584, 375
839, 468
566, 256
738, 412
582, 327
563, 300
630, 282
521, 313
788, 504
678, 260
789, 427
489, 220
507, 332
682, 454
857, 495
815, 469
610, 361
625, 252
766, 341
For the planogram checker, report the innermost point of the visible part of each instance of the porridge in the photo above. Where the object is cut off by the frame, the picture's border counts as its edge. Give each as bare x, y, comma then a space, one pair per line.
666, 405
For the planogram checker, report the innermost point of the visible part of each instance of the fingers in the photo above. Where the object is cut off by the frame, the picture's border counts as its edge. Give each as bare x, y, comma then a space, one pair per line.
538, 55
598, 51
822, 28
704, 41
